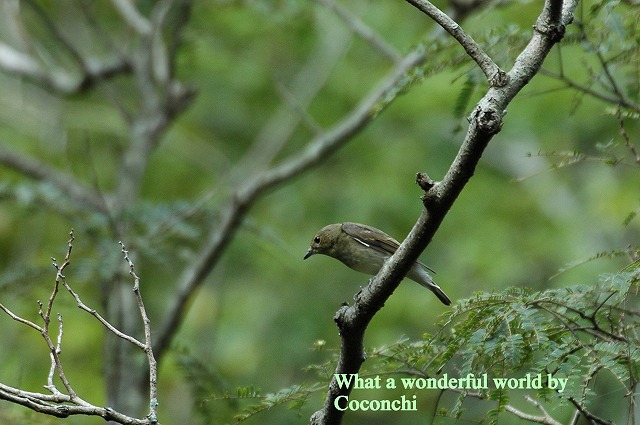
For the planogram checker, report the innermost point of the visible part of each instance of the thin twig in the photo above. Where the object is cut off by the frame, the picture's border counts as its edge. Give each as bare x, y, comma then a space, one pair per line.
595, 327
55, 349
148, 346
298, 108
545, 418
589, 91
50, 385
365, 32
46, 316
625, 137
20, 319
101, 319
23, 65
607, 72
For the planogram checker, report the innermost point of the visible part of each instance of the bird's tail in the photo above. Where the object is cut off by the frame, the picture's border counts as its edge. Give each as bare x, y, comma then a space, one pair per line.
420, 275
440, 294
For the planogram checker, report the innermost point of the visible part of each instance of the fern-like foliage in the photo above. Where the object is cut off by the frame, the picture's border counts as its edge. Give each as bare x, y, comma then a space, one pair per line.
294, 397
578, 335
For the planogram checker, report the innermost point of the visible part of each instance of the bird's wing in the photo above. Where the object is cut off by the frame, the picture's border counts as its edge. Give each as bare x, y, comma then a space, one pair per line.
374, 238
371, 237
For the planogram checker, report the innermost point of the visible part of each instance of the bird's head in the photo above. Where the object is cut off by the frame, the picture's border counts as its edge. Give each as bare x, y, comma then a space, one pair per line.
324, 240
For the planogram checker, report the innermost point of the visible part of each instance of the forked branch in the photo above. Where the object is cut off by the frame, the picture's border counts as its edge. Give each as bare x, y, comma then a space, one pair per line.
64, 403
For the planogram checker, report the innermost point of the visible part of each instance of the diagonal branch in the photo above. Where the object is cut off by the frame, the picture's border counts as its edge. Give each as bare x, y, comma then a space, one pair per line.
494, 74
316, 151
67, 184
485, 122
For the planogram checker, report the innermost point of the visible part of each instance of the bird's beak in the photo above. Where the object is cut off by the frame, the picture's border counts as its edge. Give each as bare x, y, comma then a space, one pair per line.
308, 254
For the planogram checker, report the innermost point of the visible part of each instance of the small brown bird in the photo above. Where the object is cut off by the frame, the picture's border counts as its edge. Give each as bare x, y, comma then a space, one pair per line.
364, 248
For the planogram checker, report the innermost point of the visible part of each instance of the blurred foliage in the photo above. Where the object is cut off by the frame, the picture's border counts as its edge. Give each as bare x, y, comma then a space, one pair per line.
557, 187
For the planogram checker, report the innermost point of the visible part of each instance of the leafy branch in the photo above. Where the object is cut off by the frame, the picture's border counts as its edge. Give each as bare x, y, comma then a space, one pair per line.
577, 333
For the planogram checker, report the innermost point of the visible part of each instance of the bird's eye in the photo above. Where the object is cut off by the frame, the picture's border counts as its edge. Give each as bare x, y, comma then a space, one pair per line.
316, 239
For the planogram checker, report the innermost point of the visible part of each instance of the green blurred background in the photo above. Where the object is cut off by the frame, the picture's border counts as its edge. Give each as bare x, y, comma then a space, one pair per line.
256, 319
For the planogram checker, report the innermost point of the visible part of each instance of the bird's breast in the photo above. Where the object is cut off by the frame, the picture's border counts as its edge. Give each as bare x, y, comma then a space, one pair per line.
371, 265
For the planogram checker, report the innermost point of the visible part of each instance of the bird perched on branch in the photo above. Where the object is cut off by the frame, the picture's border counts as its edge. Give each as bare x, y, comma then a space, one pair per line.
364, 248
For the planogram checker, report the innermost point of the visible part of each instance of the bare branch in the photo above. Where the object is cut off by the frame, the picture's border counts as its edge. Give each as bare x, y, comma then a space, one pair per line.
58, 406
56, 365
55, 349
495, 76
82, 306
575, 418
148, 346
65, 82
46, 315
20, 319
160, 65
15, 62
63, 405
